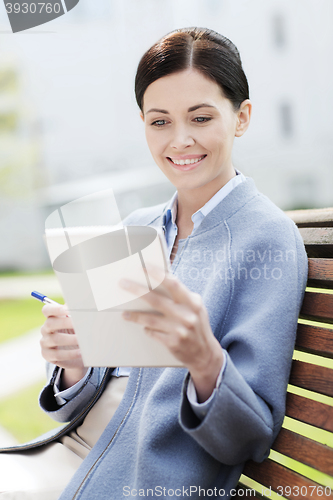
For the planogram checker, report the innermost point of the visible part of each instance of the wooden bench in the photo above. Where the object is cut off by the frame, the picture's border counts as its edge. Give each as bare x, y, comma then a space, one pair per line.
315, 408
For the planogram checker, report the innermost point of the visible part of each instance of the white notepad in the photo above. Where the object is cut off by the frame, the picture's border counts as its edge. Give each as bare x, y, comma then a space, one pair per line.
89, 263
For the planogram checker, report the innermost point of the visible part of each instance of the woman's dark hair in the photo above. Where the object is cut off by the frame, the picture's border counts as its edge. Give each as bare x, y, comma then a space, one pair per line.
214, 55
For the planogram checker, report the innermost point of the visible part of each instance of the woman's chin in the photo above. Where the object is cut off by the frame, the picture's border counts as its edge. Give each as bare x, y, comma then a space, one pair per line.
184, 179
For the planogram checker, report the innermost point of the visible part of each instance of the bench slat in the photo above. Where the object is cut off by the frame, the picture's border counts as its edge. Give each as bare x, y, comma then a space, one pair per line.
272, 474
318, 306
318, 241
320, 273
312, 218
321, 269
312, 377
315, 340
317, 235
310, 412
305, 450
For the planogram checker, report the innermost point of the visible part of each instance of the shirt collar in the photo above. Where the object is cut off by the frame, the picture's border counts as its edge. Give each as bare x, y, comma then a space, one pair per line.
171, 209
170, 212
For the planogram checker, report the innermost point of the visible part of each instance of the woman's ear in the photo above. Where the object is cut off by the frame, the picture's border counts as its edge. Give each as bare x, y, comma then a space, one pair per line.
243, 117
141, 116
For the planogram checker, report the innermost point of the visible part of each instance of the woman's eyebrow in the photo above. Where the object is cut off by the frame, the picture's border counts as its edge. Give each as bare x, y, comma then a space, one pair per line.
203, 105
192, 108
156, 110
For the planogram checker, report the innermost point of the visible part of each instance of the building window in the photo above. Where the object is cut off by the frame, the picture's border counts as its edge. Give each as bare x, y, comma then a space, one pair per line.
286, 120
279, 30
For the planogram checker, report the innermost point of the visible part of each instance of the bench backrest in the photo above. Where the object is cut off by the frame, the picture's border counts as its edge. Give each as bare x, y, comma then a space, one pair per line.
307, 433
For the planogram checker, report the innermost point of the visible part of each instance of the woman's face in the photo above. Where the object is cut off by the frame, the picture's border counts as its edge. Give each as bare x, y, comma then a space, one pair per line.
190, 128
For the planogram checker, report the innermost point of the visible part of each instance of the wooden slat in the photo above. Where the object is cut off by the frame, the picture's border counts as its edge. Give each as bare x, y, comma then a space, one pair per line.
318, 241
318, 306
274, 475
315, 340
305, 450
321, 269
320, 273
309, 411
317, 235
312, 377
322, 217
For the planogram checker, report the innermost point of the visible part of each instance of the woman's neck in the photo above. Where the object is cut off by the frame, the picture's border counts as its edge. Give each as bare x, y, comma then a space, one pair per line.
191, 200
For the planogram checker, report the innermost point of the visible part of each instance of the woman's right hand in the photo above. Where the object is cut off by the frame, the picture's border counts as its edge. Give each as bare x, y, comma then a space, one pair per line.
59, 344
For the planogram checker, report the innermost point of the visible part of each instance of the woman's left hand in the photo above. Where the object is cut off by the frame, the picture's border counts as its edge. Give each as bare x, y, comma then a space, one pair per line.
181, 323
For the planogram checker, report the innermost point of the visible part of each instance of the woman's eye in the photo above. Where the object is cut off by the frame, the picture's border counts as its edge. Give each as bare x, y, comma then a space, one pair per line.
159, 123
202, 119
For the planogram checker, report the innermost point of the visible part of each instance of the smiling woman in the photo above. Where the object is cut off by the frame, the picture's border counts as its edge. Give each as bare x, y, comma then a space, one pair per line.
190, 128
228, 318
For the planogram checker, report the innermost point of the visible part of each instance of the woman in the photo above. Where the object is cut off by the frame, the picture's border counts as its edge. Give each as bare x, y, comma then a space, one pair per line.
237, 282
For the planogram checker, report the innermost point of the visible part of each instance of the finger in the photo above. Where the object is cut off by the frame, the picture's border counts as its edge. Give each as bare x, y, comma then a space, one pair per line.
162, 304
157, 301
170, 341
60, 357
177, 290
56, 323
173, 335
59, 340
171, 315
151, 321
54, 310
157, 272
181, 294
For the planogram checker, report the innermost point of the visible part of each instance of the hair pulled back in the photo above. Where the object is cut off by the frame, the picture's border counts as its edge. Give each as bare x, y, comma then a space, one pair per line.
205, 50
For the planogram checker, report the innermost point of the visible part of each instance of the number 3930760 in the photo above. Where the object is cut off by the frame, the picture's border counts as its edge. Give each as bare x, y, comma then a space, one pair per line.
32, 8
304, 491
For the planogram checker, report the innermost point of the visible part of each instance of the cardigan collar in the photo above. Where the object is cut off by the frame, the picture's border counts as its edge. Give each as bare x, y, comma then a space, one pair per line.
238, 197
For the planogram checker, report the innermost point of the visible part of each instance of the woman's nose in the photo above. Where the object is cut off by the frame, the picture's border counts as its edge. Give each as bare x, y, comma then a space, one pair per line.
182, 138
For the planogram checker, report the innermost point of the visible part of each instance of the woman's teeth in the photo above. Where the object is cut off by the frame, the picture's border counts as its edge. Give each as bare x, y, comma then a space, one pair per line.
186, 162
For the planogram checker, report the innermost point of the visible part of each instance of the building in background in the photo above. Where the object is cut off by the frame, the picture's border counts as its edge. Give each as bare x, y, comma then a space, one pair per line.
21, 171
73, 125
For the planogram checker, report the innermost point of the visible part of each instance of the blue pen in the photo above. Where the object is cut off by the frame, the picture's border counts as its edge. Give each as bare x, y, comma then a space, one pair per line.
44, 298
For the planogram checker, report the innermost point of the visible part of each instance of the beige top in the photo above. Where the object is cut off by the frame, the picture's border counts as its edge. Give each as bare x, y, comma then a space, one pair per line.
84, 437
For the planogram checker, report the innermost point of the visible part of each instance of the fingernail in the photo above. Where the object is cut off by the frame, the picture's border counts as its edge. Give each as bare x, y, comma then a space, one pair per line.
126, 314
125, 283
154, 269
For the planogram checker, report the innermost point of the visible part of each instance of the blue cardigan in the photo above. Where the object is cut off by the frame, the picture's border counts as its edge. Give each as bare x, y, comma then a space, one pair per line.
248, 262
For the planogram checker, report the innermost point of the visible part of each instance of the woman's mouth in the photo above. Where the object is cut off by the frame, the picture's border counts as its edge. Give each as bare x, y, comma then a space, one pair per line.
186, 163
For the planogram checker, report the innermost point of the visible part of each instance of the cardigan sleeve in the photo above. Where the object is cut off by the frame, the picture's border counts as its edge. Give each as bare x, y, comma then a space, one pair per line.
73, 407
257, 335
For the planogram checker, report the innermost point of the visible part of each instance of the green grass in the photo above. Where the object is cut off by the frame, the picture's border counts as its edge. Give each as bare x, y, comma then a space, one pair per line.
12, 273
20, 316
21, 415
